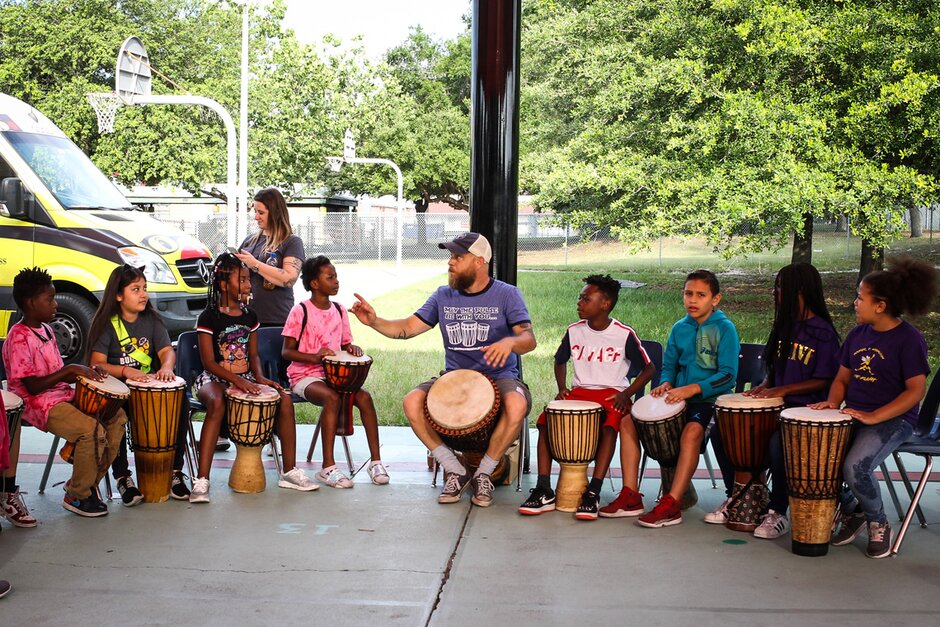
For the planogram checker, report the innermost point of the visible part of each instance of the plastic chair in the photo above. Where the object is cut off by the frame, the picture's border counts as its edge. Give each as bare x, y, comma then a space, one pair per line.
924, 443
750, 367
274, 365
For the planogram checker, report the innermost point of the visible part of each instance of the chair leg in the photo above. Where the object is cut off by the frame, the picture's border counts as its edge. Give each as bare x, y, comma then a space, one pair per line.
348, 455
313, 442
894, 493
107, 485
639, 480
526, 450
434, 477
928, 466
276, 448
45, 472
910, 489
523, 454
711, 470
192, 454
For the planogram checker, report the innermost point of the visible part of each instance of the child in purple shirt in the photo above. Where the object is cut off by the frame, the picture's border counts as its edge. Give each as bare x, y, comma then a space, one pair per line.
802, 358
882, 379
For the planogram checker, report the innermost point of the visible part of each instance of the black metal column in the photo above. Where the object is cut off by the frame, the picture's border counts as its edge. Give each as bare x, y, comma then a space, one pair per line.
494, 120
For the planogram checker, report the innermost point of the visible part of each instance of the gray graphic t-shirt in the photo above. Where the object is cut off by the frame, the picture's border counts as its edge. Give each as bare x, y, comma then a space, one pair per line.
469, 322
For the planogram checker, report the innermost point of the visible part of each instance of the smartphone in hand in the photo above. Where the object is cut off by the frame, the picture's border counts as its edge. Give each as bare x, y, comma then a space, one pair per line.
233, 250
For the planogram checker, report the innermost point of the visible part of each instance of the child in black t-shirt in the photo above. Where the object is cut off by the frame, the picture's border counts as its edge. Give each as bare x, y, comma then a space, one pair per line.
228, 347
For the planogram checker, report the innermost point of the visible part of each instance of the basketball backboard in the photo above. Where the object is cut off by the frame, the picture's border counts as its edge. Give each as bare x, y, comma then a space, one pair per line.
132, 73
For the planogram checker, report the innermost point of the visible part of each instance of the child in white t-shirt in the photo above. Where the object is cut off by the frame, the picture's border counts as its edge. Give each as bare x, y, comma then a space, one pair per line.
314, 329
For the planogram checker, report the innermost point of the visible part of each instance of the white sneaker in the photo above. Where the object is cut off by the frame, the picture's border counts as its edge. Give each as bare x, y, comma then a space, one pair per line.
720, 515
334, 478
378, 473
772, 526
200, 493
297, 479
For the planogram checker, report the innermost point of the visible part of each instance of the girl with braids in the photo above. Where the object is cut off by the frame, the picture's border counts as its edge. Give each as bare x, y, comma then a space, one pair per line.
274, 256
882, 379
228, 347
129, 340
801, 358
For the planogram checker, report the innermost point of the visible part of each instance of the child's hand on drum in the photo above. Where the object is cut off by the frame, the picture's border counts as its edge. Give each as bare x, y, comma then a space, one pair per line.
562, 394
755, 391
165, 374
621, 402
662, 389
96, 373
682, 393
823, 405
249, 387
354, 350
320, 354
864, 417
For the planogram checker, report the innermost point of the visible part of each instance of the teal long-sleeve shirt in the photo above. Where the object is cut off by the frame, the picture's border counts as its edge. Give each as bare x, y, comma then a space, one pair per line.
705, 354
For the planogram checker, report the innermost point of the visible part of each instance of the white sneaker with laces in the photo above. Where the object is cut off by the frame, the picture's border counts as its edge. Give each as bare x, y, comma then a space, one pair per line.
200, 493
334, 478
772, 526
378, 473
297, 479
720, 515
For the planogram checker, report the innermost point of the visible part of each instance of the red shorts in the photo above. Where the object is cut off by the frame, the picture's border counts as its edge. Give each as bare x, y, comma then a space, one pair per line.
612, 417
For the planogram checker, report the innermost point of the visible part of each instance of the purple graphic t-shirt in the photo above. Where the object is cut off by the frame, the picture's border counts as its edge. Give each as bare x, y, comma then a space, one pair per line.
881, 362
814, 354
470, 322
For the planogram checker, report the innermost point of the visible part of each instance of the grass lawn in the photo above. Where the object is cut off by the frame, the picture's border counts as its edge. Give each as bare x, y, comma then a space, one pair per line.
551, 296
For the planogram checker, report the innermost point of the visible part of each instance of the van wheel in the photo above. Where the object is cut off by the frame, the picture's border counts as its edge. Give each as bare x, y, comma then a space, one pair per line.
70, 324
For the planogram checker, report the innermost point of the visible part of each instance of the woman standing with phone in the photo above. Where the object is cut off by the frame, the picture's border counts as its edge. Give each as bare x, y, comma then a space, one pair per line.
274, 255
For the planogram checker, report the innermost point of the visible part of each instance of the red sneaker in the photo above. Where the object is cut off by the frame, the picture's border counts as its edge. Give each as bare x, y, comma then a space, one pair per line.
628, 503
666, 513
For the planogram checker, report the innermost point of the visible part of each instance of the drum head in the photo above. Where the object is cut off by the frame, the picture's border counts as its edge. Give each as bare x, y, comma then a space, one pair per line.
739, 401
156, 384
348, 358
110, 386
267, 393
650, 408
11, 400
460, 399
566, 405
805, 414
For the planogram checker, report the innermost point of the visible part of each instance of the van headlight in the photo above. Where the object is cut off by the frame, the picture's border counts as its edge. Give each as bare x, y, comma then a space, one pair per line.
156, 270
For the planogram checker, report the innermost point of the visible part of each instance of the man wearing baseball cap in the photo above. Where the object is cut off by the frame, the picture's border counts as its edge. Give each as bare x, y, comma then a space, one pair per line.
485, 326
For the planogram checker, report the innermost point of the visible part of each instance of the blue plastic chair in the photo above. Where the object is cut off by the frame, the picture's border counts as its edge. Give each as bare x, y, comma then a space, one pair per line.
924, 443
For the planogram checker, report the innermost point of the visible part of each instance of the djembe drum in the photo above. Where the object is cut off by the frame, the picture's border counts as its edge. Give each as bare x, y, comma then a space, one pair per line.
462, 407
746, 424
250, 423
345, 373
154, 420
99, 399
13, 406
659, 427
814, 445
573, 429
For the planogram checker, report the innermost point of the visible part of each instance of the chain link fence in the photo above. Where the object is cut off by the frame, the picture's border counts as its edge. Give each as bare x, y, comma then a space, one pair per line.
544, 241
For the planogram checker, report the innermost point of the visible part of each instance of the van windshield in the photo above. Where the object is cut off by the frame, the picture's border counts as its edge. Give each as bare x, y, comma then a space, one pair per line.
70, 175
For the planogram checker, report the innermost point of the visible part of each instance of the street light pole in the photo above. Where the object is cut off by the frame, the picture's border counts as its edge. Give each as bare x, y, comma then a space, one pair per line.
349, 156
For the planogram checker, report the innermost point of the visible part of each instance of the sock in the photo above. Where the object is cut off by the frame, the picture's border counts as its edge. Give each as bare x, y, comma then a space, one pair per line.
487, 466
446, 458
544, 482
596, 485
9, 484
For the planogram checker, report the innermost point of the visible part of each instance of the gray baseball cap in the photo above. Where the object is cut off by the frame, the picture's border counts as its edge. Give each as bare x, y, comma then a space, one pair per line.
469, 242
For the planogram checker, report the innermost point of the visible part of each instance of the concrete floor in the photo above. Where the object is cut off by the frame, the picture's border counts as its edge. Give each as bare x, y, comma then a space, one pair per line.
391, 555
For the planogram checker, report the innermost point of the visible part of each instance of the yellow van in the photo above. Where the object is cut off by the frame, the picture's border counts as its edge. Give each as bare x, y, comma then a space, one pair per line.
60, 213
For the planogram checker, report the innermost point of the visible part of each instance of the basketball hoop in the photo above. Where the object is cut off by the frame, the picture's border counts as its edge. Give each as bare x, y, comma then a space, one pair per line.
105, 105
335, 163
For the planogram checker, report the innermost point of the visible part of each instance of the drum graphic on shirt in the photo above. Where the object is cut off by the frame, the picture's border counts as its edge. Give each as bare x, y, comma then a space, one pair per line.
467, 333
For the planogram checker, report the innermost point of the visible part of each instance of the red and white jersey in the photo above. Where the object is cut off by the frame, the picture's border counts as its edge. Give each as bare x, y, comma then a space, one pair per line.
601, 359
